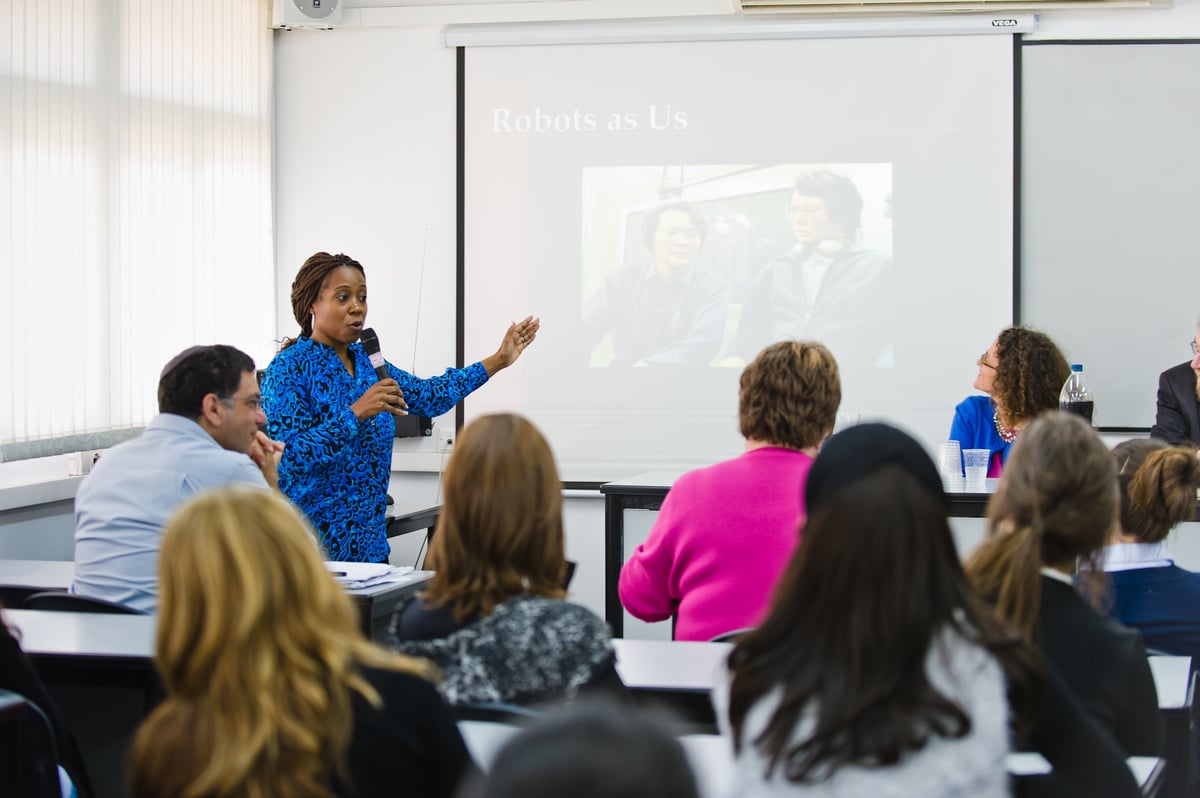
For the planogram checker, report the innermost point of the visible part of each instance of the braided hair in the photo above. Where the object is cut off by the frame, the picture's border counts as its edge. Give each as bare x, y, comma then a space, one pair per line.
307, 287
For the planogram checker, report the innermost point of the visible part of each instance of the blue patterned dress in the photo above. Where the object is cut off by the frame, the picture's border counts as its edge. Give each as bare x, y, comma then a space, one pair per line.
336, 468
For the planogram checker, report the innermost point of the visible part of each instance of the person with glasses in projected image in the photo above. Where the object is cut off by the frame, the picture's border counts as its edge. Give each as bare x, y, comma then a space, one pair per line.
1177, 417
827, 288
206, 435
668, 311
1021, 373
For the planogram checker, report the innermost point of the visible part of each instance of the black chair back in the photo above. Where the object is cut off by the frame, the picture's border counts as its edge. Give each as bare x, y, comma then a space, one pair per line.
69, 602
27, 756
13, 596
731, 636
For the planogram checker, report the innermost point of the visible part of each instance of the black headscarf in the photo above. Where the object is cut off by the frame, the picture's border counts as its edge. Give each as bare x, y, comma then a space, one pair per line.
860, 450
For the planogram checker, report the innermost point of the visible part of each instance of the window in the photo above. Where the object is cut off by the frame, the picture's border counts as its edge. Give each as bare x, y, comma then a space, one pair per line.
135, 205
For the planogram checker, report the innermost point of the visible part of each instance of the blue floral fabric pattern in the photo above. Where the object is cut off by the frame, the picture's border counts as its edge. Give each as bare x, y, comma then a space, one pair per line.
336, 468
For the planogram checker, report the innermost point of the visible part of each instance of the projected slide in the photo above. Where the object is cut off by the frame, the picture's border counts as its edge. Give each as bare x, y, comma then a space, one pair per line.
669, 209
705, 265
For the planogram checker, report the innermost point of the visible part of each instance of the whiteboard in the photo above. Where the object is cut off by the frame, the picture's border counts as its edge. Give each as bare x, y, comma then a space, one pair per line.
1109, 216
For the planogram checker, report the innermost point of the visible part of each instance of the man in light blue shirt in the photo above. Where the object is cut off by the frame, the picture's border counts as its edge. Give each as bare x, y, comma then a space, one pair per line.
205, 436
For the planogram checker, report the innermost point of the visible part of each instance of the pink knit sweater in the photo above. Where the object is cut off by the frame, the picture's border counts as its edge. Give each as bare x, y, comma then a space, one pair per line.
721, 541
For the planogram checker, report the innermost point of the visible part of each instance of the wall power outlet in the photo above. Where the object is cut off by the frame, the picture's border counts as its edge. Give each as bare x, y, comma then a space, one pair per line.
445, 436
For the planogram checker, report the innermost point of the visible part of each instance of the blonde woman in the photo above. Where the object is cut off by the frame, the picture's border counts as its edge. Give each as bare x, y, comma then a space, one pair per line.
271, 689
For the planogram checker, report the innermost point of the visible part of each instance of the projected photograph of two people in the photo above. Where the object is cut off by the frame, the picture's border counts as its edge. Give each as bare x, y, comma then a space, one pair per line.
705, 265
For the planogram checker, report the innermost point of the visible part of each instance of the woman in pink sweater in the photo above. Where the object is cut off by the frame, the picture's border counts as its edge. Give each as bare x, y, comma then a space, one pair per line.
725, 532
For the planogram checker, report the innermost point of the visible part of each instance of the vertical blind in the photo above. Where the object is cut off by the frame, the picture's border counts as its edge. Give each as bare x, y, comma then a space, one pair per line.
135, 203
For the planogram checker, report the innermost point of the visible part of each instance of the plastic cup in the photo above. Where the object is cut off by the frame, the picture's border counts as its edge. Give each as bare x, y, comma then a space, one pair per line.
975, 465
844, 421
950, 466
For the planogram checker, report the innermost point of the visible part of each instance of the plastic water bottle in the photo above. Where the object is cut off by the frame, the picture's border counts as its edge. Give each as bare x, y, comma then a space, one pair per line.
1075, 396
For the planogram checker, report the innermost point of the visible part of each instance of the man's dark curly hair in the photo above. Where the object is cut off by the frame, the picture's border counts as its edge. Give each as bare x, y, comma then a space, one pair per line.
1029, 375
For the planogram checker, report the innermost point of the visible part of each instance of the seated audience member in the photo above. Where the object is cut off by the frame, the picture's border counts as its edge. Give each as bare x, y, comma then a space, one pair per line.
591, 750
1177, 418
1150, 593
1022, 373
669, 311
725, 533
18, 676
857, 683
494, 618
271, 689
204, 436
1056, 506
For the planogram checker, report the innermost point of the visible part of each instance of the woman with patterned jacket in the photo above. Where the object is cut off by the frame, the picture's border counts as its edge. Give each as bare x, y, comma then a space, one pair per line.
324, 401
494, 619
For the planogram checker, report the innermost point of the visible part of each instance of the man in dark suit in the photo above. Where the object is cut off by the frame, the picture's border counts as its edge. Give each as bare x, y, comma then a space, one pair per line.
1178, 416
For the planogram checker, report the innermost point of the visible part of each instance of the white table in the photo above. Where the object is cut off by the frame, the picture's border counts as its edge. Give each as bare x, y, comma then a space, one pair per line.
670, 665
375, 604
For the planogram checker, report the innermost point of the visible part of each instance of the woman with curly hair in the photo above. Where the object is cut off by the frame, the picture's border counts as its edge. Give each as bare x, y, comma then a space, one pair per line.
271, 688
1158, 486
1022, 373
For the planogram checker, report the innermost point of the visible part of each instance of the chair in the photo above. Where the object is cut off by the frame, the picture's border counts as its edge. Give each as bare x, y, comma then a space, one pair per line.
731, 636
69, 602
486, 727
13, 596
27, 755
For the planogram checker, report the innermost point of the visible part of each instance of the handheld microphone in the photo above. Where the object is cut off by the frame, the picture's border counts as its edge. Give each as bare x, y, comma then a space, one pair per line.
370, 343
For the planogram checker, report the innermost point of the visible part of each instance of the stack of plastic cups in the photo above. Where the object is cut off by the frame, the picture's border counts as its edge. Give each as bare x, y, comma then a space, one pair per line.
950, 466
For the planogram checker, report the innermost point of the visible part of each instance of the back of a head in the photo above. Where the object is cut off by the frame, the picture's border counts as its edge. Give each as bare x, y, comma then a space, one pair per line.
1059, 481
591, 750
241, 582
1056, 504
876, 525
789, 395
258, 649
845, 621
198, 371
500, 531
1158, 484
1030, 373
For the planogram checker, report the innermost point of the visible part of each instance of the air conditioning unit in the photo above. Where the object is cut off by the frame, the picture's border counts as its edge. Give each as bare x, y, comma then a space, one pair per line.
930, 6
318, 14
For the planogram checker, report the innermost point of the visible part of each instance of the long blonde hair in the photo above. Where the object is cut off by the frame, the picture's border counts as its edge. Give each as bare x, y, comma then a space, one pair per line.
500, 532
257, 648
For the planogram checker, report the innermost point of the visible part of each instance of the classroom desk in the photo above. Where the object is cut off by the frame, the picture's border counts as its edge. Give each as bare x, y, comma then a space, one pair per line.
1175, 683
647, 491
375, 605
414, 521
673, 676
99, 669
88, 648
